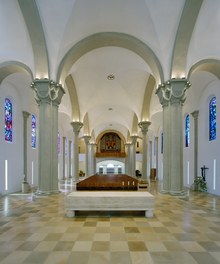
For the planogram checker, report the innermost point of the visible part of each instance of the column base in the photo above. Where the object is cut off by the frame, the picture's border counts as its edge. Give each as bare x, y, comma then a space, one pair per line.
46, 193
181, 193
164, 192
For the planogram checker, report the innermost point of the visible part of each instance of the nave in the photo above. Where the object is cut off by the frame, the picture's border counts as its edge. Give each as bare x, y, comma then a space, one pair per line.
35, 229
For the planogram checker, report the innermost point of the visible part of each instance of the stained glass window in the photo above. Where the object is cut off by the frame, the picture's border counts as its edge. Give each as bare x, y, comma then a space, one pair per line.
8, 120
187, 131
33, 131
212, 119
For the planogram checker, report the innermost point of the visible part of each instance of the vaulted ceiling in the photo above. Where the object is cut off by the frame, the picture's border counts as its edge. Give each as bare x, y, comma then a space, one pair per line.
109, 55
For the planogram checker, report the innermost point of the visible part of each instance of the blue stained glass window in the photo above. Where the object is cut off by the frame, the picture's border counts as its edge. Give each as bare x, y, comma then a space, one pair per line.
187, 131
58, 143
212, 119
8, 120
33, 131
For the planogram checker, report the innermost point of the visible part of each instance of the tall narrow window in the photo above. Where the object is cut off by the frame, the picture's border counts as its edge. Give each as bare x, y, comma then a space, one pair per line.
187, 131
8, 120
33, 131
212, 119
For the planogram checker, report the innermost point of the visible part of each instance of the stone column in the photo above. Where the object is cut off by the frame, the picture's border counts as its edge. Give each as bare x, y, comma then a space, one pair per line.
76, 129
70, 156
172, 95
133, 155
195, 115
86, 140
64, 157
48, 96
25, 185
157, 148
128, 158
92, 158
144, 128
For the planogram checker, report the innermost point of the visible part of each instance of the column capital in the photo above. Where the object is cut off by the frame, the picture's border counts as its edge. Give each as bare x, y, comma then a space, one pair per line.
173, 91
25, 114
47, 91
87, 139
76, 126
195, 114
133, 139
144, 126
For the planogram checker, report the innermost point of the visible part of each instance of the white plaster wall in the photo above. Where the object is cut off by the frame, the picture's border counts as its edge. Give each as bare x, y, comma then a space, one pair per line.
208, 151
12, 152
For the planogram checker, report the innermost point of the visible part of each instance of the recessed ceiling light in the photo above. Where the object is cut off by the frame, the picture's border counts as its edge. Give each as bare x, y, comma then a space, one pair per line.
111, 77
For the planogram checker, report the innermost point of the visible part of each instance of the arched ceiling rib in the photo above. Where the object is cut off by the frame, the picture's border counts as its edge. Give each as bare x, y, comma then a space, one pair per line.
74, 98
183, 37
145, 116
35, 29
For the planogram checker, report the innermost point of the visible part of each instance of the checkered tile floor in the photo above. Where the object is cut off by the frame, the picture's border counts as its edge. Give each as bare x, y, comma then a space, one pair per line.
182, 231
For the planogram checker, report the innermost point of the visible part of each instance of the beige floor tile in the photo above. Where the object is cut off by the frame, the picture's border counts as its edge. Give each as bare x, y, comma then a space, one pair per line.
155, 246
119, 246
16, 257
141, 258
57, 258
101, 237
192, 246
82, 246
45, 246
99, 258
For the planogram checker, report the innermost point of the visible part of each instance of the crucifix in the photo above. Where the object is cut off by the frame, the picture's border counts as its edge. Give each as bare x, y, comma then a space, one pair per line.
203, 170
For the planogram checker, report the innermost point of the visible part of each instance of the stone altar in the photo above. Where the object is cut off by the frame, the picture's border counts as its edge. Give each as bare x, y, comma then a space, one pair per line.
109, 201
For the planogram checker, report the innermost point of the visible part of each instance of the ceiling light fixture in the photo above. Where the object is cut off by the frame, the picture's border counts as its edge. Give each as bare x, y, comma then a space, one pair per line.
111, 77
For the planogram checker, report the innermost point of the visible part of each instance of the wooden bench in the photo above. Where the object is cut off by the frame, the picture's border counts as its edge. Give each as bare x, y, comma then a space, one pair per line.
121, 182
109, 201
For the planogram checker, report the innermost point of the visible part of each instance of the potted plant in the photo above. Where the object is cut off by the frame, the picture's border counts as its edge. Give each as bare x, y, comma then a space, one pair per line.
200, 184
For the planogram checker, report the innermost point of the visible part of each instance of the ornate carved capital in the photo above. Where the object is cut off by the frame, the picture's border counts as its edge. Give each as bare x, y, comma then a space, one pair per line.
76, 126
25, 115
144, 126
87, 139
47, 91
133, 139
173, 91
195, 114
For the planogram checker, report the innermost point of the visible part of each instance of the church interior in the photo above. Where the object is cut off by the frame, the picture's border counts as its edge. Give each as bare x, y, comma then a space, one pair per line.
116, 96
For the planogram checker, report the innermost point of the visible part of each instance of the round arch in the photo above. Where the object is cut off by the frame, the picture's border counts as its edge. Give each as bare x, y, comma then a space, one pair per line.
10, 67
105, 39
209, 65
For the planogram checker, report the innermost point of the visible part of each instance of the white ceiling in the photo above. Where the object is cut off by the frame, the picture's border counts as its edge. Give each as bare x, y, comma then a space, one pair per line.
40, 36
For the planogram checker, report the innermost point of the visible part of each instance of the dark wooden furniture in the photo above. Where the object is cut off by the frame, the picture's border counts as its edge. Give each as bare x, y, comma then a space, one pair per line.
108, 182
